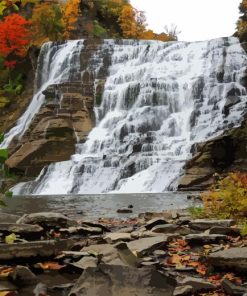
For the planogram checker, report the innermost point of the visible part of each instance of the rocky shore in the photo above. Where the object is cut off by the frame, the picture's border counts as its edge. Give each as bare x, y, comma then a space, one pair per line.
165, 254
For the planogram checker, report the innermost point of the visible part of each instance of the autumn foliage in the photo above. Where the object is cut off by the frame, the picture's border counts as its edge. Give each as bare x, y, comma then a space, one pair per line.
71, 11
15, 36
227, 198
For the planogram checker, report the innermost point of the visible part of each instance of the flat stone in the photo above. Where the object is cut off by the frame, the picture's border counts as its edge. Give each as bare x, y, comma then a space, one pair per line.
47, 219
204, 224
124, 211
111, 238
235, 258
126, 255
122, 280
8, 218
107, 252
93, 224
23, 276
197, 284
159, 253
171, 228
145, 245
7, 286
20, 228
232, 289
33, 249
143, 234
183, 290
154, 222
225, 231
203, 238
85, 262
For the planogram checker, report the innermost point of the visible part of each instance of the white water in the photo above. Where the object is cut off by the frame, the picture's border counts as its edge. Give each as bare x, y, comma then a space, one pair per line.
144, 129
57, 63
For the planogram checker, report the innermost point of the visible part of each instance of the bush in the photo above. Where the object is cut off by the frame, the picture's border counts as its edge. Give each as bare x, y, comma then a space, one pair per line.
227, 198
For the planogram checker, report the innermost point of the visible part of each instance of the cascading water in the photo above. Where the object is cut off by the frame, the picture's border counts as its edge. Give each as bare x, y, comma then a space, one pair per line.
159, 99
57, 63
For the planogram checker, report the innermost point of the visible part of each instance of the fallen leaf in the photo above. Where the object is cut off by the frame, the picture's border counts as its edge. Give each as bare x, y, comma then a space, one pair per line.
4, 272
50, 265
201, 269
9, 239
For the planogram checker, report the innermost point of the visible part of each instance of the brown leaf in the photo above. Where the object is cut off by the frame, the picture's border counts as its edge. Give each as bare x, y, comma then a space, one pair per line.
50, 265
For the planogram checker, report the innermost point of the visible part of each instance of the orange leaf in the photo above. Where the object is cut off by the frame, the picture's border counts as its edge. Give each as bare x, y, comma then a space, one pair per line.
201, 269
51, 265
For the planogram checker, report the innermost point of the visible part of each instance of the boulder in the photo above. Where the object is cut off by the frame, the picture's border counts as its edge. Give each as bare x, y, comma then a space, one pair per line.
30, 250
204, 224
122, 280
47, 220
224, 230
235, 258
126, 255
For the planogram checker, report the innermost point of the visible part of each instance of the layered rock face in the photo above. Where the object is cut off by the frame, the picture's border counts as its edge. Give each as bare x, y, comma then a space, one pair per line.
64, 119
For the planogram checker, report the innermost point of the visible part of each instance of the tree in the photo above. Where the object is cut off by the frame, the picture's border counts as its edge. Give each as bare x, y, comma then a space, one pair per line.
71, 11
15, 36
242, 22
47, 23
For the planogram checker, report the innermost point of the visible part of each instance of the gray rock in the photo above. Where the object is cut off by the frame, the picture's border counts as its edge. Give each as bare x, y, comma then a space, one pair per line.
7, 286
145, 245
111, 238
154, 222
171, 228
89, 229
232, 289
197, 284
204, 224
183, 290
93, 224
23, 276
143, 234
235, 258
107, 252
122, 280
126, 255
85, 262
124, 211
159, 253
20, 228
33, 249
40, 289
8, 218
47, 219
203, 238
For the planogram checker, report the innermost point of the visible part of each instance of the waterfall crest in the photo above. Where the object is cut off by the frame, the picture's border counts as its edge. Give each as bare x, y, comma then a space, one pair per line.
158, 100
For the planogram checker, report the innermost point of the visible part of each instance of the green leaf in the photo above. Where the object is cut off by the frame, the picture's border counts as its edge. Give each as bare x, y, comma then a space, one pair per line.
9, 194
3, 155
1, 138
2, 203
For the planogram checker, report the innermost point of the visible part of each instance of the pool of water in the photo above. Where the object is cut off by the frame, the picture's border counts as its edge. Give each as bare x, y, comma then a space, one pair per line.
95, 206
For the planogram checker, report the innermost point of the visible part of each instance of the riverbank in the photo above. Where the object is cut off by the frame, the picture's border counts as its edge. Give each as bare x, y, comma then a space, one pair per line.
165, 253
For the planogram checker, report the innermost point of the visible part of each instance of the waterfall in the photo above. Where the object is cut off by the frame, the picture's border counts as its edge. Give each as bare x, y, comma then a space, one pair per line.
56, 63
158, 100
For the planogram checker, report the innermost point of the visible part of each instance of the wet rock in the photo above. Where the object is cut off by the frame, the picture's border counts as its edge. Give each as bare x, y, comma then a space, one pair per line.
197, 284
93, 224
154, 222
235, 258
124, 211
20, 228
183, 290
203, 238
33, 249
111, 238
225, 231
130, 206
122, 280
232, 289
145, 245
47, 220
8, 218
204, 224
23, 276
171, 228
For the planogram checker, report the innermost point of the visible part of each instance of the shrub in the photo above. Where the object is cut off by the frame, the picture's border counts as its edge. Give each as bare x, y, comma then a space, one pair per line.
227, 198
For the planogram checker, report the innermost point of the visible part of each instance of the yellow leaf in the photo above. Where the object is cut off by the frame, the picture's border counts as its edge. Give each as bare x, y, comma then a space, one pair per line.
9, 239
